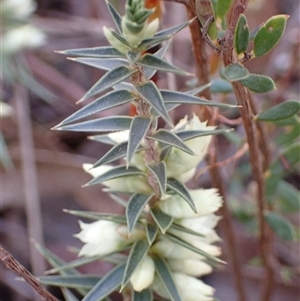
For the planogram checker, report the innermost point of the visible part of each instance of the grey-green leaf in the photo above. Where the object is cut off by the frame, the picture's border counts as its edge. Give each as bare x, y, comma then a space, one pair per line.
144, 295
172, 139
281, 111
151, 232
181, 190
166, 278
151, 61
107, 124
103, 52
182, 98
117, 172
220, 86
259, 83
242, 33
151, 94
281, 226
107, 284
73, 281
173, 30
269, 35
135, 207
187, 135
198, 90
137, 253
115, 15
108, 80
160, 173
107, 101
68, 295
162, 220
235, 72
138, 130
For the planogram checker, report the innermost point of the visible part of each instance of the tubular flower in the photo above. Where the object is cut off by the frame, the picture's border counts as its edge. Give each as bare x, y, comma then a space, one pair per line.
191, 267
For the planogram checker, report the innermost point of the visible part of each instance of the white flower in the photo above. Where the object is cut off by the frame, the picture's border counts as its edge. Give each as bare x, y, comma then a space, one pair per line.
119, 137
5, 109
137, 184
114, 41
190, 267
103, 237
143, 275
206, 201
179, 162
18, 9
19, 38
189, 288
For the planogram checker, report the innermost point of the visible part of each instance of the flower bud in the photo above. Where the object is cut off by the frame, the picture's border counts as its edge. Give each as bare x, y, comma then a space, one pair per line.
114, 41
190, 267
143, 275
17, 9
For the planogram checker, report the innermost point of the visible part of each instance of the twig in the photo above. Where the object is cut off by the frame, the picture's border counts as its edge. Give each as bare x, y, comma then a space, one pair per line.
202, 74
243, 99
20, 270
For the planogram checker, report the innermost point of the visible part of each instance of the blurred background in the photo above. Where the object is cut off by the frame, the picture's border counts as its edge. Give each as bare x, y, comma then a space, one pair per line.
41, 170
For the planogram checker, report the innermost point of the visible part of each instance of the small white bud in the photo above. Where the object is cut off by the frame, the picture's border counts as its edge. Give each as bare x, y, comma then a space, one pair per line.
190, 267
151, 29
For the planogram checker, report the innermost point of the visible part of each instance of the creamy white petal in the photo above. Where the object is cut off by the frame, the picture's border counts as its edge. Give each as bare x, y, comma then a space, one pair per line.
190, 267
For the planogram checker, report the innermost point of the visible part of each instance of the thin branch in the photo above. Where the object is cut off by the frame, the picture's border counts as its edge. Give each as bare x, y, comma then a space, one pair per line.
20, 270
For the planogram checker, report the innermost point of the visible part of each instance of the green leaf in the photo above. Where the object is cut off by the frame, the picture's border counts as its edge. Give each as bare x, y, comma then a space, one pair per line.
198, 90
166, 278
137, 253
181, 190
68, 295
187, 135
289, 196
109, 100
182, 98
220, 86
172, 139
162, 220
74, 281
173, 30
108, 80
151, 61
107, 284
259, 83
151, 232
281, 111
115, 15
104, 52
144, 295
222, 7
269, 34
106, 124
281, 226
151, 94
241, 36
293, 120
101, 63
160, 173
137, 132
135, 207
192, 248
116, 172
289, 136
235, 72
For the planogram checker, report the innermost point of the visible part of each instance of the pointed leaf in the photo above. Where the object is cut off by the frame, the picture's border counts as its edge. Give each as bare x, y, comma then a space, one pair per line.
135, 207
108, 80
115, 123
181, 190
172, 139
187, 135
160, 173
118, 200
151, 94
101, 63
151, 231
166, 278
115, 15
123, 86
235, 72
109, 100
144, 295
241, 36
198, 90
107, 284
182, 98
104, 139
281, 226
117, 172
106, 51
68, 295
186, 230
173, 30
281, 111
259, 83
74, 281
192, 248
138, 130
269, 35
151, 61
137, 253
162, 220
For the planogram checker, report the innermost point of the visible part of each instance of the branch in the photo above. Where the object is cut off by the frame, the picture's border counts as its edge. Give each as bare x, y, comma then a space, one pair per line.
20, 270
